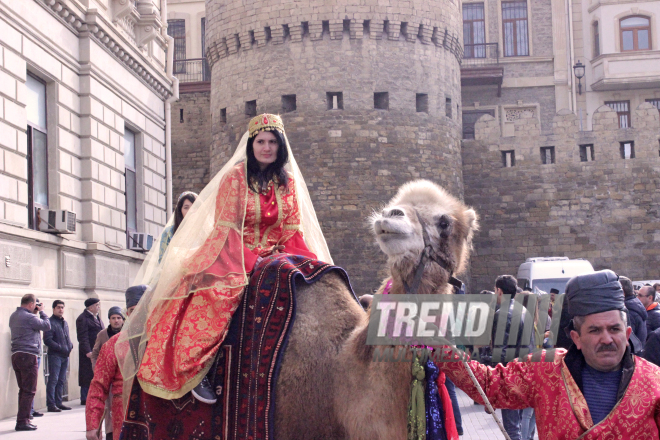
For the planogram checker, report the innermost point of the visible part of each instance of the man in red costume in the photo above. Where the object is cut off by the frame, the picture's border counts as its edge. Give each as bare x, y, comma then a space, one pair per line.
107, 374
596, 390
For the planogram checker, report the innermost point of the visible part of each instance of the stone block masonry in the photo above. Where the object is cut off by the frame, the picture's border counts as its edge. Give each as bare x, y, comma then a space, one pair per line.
191, 142
604, 210
354, 156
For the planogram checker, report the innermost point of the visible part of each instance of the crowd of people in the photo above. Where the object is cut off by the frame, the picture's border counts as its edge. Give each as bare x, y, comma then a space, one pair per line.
642, 316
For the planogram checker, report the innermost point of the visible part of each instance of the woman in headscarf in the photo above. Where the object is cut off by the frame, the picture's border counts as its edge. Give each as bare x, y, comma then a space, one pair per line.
256, 205
183, 205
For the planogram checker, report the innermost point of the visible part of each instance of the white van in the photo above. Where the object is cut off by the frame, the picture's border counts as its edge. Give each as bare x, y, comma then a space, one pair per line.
542, 274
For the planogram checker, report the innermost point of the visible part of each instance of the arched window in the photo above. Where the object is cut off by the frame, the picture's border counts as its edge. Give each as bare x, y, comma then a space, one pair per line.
635, 33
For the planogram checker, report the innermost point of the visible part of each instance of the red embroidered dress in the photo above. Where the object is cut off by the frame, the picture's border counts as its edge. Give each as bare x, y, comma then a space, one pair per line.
186, 330
561, 409
106, 373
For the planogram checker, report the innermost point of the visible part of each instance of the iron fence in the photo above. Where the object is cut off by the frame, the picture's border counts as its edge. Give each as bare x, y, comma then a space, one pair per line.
482, 54
192, 70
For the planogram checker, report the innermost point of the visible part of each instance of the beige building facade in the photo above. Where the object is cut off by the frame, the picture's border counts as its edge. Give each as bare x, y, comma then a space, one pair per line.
84, 91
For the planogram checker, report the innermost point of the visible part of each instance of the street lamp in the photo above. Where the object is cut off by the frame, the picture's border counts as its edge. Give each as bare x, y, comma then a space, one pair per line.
578, 69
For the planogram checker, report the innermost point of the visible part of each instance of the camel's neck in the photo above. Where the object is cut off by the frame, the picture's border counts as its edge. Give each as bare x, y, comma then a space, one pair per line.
427, 286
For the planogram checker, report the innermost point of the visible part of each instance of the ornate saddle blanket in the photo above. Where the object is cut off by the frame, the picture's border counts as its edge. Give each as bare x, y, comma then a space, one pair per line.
246, 369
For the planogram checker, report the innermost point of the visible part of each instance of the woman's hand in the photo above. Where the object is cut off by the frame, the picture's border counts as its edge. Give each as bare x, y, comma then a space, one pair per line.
91, 435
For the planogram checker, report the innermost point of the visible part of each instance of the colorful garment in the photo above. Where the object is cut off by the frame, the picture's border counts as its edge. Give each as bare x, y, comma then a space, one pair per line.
107, 377
185, 330
551, 388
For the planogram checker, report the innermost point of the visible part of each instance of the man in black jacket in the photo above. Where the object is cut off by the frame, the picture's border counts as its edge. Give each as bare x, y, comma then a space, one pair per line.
647, 297
88, 326
636, 310
59, 345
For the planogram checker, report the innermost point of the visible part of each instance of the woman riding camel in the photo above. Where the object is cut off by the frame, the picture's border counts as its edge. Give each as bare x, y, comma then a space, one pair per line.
255, 206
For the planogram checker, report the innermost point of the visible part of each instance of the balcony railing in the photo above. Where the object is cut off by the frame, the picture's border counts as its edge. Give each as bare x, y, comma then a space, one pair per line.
193, 70
480, 55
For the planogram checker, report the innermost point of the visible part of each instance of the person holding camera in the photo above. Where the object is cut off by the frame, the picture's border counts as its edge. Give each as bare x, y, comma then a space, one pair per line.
25, 324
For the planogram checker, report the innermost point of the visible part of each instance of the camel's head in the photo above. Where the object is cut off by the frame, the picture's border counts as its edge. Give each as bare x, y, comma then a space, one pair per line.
449, 226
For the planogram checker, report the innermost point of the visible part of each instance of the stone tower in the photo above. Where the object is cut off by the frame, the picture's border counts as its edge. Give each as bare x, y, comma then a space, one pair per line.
369, 92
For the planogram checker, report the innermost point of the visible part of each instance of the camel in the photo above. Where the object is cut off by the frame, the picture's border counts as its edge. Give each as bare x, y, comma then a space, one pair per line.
329, 387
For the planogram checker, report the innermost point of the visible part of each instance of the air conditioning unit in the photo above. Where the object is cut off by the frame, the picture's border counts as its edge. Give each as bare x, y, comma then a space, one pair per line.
58, 222
139, 241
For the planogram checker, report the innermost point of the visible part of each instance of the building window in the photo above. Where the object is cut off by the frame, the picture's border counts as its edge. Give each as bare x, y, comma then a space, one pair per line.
335, 100
627, 150
448, 107
288, 103
422, 102
596, 40
508, 158
131, 183
655, 102
37, 149
547, 155
474, 30
470, 119
514, 21
251, 108
622, 109
223, 115
382, 101
177, 30
635, 33
586, 153
206, 69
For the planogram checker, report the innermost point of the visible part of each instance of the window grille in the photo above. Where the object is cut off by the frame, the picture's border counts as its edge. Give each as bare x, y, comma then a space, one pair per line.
622, 109
177, 30
474, 30
514, 21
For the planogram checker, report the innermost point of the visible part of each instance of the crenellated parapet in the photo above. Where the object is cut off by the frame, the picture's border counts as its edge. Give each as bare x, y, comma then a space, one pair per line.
229, 35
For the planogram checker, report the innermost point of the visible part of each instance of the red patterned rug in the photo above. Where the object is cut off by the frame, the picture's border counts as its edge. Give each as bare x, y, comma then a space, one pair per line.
247, 365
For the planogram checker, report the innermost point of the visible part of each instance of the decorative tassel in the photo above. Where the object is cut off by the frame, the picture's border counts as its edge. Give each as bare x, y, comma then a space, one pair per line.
416, 406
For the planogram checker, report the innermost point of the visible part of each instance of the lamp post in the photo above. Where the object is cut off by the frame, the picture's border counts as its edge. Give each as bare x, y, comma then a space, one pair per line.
578, 70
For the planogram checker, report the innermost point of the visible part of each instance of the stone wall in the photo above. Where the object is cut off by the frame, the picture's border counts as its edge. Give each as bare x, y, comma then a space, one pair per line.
354, 158
604, 210
191, 142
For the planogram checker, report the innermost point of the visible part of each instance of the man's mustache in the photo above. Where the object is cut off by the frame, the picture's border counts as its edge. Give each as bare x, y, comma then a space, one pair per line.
608, 347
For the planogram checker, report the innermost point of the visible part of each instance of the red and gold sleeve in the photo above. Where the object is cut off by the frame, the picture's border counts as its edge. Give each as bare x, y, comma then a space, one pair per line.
510, 387
104, 372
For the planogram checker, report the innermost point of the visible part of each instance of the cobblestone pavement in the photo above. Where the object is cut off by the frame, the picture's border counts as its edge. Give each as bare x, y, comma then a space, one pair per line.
70, 425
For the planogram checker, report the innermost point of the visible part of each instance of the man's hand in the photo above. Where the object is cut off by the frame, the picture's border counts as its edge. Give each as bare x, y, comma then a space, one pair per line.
91, 435
89, 355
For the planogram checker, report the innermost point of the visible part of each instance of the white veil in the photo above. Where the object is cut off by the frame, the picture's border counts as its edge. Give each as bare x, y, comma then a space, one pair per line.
196, 228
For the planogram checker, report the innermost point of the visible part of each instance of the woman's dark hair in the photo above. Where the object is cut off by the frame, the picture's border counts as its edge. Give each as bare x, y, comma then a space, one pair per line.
257, 178
178, 215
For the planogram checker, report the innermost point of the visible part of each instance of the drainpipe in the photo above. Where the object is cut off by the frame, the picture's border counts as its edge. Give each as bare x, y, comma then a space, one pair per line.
569, 7
168, 108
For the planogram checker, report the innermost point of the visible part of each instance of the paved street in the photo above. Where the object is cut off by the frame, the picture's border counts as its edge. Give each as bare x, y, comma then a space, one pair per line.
70, 425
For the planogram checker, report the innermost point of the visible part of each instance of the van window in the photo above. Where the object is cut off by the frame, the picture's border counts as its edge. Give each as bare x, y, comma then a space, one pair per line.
546, 284
523, 283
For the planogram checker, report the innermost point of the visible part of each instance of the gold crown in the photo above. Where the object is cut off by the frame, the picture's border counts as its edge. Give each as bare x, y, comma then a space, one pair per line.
265, 122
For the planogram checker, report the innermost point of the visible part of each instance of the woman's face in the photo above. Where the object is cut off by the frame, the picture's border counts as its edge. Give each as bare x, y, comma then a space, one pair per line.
185, 207
265, 148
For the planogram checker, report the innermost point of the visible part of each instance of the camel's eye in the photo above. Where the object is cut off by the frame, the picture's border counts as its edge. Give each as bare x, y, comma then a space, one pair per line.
396, 213
444, 222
